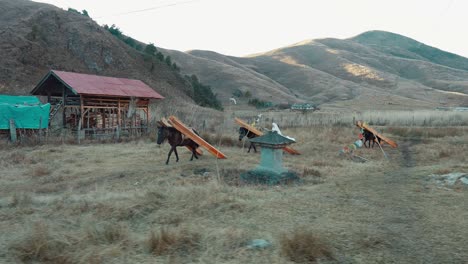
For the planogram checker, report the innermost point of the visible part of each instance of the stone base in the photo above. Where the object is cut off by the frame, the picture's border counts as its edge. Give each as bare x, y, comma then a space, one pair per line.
270, 177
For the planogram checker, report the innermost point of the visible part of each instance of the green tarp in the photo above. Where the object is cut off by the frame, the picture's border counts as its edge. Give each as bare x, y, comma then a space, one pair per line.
26, 111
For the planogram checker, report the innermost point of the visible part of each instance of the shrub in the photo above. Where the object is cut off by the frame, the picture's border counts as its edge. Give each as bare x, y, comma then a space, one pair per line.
39, 245
40, 170
303, 246
237, 93
107, 233
259, 103
173, 241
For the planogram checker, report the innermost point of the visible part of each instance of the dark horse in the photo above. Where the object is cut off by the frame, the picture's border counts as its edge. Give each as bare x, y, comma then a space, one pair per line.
176, 139
245, 132
370, 137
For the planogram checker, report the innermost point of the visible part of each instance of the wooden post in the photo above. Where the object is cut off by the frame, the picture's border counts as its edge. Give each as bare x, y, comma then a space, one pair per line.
64, 98
12, 131
79, 131
103, 118
40, 128
147, 118
80, 123
87, 117
117, 132
119, 121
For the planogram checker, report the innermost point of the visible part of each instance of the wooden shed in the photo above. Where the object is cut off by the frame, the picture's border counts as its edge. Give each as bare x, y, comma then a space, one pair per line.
97, 104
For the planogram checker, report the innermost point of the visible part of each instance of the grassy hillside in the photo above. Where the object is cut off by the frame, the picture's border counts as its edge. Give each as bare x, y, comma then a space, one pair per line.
365, 71
375, 69
404, 47
36, 37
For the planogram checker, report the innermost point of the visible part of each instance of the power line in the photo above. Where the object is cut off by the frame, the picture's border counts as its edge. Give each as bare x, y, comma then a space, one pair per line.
84, 20
150, 8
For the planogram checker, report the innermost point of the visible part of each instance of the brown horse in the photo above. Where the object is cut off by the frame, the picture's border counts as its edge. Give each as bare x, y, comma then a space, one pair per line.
175, 139
244, 132
370, 137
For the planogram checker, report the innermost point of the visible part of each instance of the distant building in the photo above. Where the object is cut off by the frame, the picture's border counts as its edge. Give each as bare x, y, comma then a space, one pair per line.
304, 107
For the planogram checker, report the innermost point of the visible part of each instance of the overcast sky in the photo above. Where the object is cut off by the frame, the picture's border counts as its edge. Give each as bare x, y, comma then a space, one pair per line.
243, 27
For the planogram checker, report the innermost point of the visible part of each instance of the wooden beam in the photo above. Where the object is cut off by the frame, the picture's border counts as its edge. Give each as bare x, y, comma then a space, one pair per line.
147, 118
64, 102
81, 113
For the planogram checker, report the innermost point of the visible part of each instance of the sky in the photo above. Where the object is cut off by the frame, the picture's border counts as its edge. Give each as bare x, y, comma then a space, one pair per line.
244, 27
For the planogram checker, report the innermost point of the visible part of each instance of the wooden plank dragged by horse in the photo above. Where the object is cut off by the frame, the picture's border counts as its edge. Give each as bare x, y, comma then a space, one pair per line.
365, 126
175, 139
257, 132
182, 128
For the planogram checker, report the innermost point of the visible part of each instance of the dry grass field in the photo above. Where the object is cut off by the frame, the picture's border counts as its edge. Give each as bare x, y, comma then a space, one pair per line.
119, 203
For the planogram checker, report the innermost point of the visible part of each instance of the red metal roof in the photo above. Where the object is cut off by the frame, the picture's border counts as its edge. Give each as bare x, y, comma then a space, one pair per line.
106, 86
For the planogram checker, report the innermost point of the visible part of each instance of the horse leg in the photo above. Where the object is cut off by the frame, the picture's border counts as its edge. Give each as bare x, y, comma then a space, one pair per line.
169, 155
250, 146
194, 154
176, 154
255, 149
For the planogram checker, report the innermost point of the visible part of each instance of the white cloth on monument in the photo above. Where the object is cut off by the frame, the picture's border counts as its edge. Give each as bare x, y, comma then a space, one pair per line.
274, 127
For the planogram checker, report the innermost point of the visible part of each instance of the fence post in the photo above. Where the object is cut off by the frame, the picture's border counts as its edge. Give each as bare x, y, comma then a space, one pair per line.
40, 128
12, 131
79, 131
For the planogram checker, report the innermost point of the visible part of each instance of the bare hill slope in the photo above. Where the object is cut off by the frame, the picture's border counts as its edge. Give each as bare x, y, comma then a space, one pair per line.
366, 70
375, 69
36, 37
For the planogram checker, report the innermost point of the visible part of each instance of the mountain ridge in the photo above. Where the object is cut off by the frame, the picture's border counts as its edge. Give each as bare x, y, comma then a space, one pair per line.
372, 70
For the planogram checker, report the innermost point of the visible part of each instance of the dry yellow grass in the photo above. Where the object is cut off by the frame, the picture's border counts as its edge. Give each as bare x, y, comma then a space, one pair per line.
119, 203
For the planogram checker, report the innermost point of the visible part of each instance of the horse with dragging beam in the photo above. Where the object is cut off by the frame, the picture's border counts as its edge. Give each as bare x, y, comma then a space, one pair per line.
176, 139
370, 137
244, 132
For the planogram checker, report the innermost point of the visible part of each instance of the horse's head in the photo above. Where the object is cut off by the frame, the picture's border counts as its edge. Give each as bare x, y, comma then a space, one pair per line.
242, 132
161, 135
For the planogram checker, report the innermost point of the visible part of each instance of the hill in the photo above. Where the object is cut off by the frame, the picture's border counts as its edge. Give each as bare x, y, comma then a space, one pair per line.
374, 69
36, 37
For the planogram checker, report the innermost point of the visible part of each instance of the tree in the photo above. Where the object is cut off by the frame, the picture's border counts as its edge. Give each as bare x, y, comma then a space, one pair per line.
130, 41
160, 56
150, 49
114, 30
175, 67
203, 95
73, 10
85, 13
168, 60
